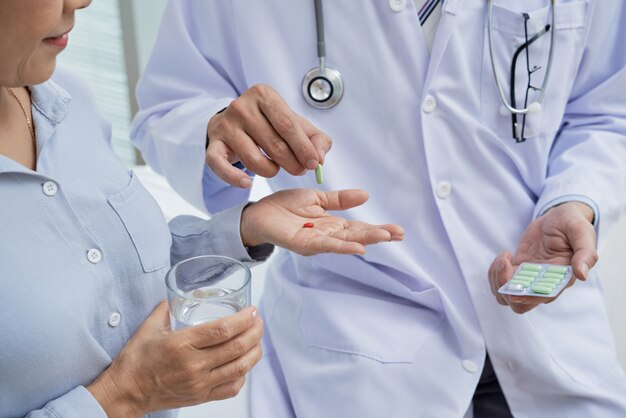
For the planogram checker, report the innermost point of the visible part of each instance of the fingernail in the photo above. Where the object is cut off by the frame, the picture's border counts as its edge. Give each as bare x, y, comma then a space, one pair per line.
585, 270
311, 164
245, 182
255, 313
322, 154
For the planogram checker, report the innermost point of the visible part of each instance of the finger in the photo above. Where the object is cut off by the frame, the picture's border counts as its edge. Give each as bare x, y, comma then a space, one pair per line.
522, 308
265, 136
372, 235
491, 274
528, 300
287, 124
222, 330
236, 347
497, 270
343, 199
328, 244
248, 152
226, 390
238, 368
322, 142
504, 269
396, 231
159, 319
218, 157
582, 238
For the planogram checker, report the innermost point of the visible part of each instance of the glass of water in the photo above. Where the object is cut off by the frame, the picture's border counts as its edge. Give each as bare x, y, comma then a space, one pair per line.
205, 288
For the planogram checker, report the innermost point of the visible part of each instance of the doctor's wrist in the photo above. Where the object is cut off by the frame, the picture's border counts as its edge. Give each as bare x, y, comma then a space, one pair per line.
583, 208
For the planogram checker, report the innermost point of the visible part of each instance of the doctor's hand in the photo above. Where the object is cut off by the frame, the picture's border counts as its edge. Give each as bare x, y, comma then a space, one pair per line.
258, 125
164, 369
563, 235
280, 219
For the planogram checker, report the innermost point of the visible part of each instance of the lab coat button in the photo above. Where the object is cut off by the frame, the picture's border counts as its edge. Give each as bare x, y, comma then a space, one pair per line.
443, 189
114, 319
470, 366
50, 188
94, 256
397, 5
430, 104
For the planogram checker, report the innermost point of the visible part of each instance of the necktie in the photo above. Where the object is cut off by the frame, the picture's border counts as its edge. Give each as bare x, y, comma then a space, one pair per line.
429, 12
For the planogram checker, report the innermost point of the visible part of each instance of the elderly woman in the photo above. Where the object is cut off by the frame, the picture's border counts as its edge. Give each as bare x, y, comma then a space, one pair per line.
85, 250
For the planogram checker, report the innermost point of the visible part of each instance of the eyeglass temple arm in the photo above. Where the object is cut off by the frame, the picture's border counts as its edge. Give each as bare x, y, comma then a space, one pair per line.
516, 55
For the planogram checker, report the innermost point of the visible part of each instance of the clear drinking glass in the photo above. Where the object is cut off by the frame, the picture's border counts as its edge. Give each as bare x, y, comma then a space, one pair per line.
202, 289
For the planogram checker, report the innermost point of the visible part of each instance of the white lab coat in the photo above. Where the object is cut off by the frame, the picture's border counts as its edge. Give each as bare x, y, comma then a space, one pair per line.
403, 330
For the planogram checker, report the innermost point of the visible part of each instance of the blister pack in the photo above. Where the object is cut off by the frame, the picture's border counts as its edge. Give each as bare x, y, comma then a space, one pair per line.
544, 280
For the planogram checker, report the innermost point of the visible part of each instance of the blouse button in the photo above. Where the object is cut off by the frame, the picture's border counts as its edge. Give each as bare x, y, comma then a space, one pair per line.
94, 256
50, 188
114, 319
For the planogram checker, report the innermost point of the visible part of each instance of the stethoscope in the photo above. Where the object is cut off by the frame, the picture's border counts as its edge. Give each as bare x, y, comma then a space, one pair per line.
322, 86
536, 106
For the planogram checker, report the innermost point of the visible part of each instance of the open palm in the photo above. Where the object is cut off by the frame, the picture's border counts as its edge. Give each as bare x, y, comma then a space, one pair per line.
280, 217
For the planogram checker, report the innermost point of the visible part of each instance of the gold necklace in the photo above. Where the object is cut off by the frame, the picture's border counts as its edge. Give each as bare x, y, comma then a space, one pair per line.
29, 122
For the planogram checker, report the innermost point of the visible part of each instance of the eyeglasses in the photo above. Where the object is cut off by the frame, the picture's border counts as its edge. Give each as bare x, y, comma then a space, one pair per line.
517, 127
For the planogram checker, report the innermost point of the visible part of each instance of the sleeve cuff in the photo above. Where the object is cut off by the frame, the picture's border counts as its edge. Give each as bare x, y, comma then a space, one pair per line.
227, 224
78, 403
540, 210
220, 235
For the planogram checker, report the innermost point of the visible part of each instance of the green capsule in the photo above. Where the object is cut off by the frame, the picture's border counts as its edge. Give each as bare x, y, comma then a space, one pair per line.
532, 274
319, 175
548, 281
544, 290
557, 269
553, 276
531, 267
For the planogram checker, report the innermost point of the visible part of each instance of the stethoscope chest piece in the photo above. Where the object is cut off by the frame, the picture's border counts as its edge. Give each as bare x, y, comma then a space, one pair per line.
322, 90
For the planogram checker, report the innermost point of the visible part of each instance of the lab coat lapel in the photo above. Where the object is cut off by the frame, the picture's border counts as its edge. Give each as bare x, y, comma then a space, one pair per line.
444, 31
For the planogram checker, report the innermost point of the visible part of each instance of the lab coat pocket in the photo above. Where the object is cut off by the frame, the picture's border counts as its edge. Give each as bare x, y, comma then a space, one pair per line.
511, 29
369, 323
575, 333
143, 219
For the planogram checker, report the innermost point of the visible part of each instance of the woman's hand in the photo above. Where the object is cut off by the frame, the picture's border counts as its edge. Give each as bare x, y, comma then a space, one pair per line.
279, 219
163, 369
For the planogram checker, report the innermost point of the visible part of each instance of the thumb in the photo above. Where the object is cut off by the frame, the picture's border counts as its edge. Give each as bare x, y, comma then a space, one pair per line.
319, 139
582, 239
344, 199
158, 320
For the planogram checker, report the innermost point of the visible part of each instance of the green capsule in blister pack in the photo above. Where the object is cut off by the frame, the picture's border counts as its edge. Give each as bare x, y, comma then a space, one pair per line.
534, 279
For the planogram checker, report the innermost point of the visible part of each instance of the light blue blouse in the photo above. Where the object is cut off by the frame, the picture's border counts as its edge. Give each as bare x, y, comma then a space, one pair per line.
84, 250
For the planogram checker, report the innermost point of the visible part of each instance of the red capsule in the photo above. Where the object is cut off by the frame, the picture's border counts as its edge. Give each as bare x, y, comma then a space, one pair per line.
308, 225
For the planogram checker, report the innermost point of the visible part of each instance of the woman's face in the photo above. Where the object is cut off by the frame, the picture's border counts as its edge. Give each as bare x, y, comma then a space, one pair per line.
32, 34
